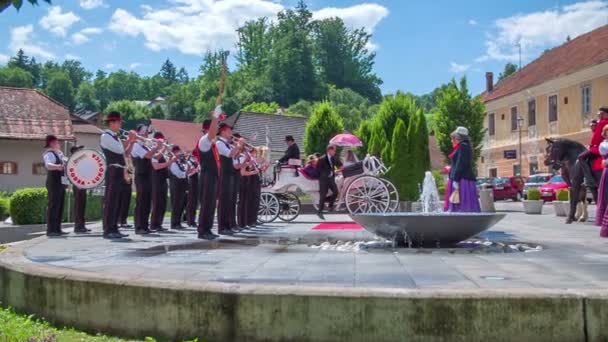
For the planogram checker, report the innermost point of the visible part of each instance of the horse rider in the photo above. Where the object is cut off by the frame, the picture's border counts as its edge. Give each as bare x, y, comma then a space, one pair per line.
586, 158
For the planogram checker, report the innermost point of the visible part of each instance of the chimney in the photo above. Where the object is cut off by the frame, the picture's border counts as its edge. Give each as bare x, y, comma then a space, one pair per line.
489, 81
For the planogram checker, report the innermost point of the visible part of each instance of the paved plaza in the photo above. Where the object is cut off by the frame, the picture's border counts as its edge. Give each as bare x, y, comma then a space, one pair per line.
572, 256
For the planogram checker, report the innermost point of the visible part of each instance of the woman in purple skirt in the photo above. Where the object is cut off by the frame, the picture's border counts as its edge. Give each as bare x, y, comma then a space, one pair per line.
462, 175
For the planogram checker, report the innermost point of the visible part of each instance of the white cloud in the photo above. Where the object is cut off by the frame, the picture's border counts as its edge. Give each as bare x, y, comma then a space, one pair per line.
134, 65
70, 56
196, 26
358, 16
91, 4
109, 66
4, 59
458, 68
540, 30
21, 39
82, 36
472, 22
57, 22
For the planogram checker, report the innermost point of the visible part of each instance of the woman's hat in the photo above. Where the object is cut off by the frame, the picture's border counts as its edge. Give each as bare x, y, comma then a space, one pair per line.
49, 139
461, 131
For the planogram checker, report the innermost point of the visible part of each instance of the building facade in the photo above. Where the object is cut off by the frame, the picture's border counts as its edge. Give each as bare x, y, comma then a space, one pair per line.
557, 95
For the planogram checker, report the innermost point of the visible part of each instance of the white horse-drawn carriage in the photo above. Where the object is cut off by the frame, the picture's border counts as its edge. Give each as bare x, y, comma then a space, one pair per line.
361, 189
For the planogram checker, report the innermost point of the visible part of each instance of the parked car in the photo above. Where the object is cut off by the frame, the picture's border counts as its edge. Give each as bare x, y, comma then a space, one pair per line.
508, 188
549, 190
536, 181
483, 183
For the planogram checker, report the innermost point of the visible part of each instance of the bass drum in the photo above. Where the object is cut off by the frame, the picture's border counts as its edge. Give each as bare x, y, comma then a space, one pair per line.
86, 169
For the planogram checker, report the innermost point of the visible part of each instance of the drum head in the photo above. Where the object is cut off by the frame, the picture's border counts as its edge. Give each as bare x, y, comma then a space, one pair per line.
86, 169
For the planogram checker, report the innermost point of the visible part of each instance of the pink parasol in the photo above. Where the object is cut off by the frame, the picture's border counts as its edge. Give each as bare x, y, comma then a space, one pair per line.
346, 140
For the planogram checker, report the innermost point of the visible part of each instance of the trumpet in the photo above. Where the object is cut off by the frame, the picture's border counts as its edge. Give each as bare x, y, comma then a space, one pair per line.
247, 147
149, 141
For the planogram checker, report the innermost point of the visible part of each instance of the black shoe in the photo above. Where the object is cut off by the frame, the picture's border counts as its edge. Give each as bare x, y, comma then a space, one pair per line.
81, 230
142, 231
206, 236
320, 215
126, 225
113, 236
226, 231
179, 227
159, 229
55, 234
121, 234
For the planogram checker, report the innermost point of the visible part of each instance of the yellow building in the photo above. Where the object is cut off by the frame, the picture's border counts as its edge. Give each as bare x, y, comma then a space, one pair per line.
557, 95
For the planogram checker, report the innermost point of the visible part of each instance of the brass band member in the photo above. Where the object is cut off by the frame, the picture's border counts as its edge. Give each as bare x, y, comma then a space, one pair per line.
239, 162
80, 203
227, 180
260, 165
114, 151
192, 201
160, 175
178, 182
142, 156
246, 195
54, 163
210, 167
125, 195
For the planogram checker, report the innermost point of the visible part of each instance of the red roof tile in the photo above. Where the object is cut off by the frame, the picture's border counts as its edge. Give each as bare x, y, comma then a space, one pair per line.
184, 134
30, 114
584, 51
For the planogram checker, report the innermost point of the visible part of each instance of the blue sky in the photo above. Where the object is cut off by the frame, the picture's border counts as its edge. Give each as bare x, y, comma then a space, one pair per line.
419, 44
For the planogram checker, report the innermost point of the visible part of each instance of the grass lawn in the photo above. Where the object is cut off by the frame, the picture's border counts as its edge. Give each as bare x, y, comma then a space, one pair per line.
16, 328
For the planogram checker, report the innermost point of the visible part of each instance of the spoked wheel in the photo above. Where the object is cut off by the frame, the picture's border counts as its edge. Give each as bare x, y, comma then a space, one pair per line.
289, 206
269, 208
394, 196
367, 194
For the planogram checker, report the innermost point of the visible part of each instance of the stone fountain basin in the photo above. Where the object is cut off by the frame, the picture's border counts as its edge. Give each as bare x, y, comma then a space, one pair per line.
429, 230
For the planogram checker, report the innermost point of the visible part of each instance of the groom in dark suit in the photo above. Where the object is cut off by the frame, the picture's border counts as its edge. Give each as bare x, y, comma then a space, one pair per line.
326, 166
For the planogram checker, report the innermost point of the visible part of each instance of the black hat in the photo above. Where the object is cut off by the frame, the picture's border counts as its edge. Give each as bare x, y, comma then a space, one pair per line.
49, 139
113, 116
175, 148
75, 148
604, 109
158, 135
289, 138
206, 124
223, 125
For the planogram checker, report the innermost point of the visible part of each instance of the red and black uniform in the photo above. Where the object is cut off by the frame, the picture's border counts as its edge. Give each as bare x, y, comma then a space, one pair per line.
210, 166
587, 158
143, 186
193, 197
80, 203
159, 195
56, 193
114, 181
227, 187
178, 183
245, 197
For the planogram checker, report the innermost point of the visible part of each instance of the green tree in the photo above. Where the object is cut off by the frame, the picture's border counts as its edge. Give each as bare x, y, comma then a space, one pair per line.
101, 88
301, 108
59, 87
401, 171
254, 46
181, 104
343, 58
364, 132
168, 71
352, 107
261, 107
15, 77
123, 85
20, 60
132, 114
509, 70
321, 127
4, 4
456, 107
418, 144
76, 72
182, 76
85, 97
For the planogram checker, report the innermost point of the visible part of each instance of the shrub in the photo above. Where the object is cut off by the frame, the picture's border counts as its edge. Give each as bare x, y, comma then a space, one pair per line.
4, 206
563, 195
533, 194
321, 127
28, 206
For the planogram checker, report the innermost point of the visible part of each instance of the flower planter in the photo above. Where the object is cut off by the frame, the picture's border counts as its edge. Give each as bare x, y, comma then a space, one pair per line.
533, 207
562, 208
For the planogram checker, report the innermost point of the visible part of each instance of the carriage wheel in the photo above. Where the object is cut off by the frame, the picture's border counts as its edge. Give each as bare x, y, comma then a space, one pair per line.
269, 207
367, 194
290, 206
393, 194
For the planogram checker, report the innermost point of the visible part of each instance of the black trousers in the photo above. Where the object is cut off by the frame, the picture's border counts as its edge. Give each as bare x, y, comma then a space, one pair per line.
80, 206
256, 191
225, 210
209, 183
54, 209
244, 204
236, 184
326, 184
193, 198
115, 182
125, 203
143, 200
178, 189
159, 202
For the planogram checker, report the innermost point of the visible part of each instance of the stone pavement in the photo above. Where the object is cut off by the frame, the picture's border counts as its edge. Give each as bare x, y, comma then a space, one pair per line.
573, 256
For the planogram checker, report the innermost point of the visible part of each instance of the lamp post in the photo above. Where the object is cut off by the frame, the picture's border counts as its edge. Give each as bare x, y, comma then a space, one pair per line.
520, 123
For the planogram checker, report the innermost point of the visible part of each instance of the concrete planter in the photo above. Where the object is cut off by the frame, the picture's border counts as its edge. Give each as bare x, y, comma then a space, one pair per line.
562, 208
532, 207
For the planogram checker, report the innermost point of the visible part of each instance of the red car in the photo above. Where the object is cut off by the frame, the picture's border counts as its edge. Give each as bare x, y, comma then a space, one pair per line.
508, 188
548, 191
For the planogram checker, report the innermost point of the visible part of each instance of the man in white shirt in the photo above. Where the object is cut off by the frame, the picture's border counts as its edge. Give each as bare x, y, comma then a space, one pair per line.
114, 152
54, 163
141, 156
178, 184
226, 196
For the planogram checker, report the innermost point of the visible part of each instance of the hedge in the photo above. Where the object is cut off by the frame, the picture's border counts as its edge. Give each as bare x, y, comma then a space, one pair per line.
4, 205
28, 206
